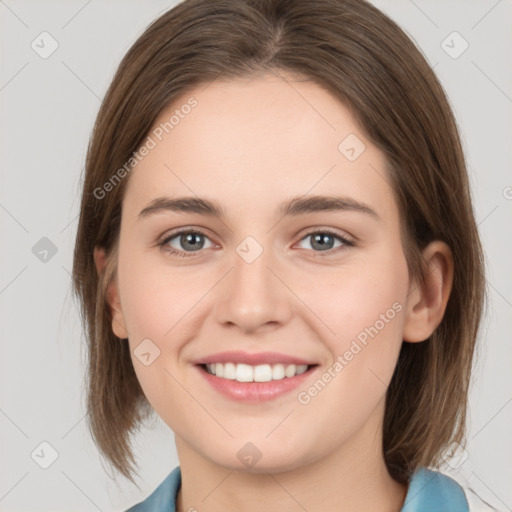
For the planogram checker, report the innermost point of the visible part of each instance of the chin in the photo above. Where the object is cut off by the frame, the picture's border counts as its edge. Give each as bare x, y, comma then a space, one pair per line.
256, 459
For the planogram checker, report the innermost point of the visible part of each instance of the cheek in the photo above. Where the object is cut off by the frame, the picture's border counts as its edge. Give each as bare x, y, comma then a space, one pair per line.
154, 311
159, 307
368, 322
352, 297
155, 298
364, 305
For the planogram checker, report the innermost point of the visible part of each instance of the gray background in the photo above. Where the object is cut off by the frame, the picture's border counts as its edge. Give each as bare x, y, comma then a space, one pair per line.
48, 109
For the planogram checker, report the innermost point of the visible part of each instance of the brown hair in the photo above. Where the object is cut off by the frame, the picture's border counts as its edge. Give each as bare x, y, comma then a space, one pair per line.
363, 58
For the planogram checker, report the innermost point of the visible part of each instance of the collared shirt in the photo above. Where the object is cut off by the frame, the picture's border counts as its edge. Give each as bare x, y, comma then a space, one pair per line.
428, 491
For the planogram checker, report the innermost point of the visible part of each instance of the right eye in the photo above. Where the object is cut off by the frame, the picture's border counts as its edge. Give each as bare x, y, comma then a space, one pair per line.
190, 241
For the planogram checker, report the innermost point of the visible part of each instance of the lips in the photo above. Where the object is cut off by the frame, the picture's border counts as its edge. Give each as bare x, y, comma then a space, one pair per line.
244, 376
254, 359
256, 392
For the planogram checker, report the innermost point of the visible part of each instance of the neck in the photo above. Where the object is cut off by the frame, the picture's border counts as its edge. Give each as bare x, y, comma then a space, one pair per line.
352, 478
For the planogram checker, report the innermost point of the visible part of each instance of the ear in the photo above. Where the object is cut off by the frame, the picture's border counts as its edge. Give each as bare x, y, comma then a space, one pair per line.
118, 322
427, 300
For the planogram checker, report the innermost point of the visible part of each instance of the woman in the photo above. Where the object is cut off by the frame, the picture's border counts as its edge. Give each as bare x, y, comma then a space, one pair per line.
277, 253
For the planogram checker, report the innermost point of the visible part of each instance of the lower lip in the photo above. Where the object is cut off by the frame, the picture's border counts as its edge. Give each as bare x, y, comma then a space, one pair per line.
255, 392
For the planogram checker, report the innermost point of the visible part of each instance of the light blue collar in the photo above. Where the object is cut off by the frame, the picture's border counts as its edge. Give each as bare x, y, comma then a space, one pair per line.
431, 491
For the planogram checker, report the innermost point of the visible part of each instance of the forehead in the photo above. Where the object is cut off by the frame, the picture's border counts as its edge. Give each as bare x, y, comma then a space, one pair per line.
255, 139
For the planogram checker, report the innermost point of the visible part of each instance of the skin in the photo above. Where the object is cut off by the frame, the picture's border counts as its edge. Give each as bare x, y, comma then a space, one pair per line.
250, 144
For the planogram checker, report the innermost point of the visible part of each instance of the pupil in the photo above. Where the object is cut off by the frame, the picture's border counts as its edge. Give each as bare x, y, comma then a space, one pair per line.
193, 239
320, 239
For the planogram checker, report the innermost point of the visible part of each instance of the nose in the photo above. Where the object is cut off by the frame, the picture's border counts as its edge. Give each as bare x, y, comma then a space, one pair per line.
254, 296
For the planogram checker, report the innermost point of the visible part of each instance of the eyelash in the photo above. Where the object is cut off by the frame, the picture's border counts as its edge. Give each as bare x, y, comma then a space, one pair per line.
189, 254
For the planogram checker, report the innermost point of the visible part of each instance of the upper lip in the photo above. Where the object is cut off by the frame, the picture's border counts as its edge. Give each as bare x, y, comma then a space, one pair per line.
237, 356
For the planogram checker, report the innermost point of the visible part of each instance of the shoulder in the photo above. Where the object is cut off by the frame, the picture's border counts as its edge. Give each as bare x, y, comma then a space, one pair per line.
433, 491
163, 498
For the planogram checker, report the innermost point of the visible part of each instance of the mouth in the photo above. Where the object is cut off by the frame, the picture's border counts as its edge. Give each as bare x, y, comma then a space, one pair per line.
255, 384
255, 377
241, 372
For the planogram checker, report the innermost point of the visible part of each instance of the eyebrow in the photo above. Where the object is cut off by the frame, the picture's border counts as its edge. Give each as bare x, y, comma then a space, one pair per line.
299, 205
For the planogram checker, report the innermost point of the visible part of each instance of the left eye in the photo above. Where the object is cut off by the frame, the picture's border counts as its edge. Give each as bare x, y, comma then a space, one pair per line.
324, 240
194, 241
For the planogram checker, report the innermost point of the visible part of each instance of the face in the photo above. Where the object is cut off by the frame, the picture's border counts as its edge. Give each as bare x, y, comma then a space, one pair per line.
324, 282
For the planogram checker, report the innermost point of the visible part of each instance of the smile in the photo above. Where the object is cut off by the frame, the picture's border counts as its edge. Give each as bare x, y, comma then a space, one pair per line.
255, 384
258, 373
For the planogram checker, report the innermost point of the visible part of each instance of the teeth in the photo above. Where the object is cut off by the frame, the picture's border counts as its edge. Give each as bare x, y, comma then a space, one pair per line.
260, 373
